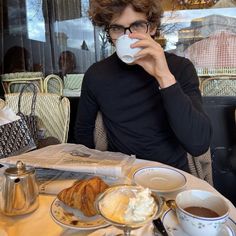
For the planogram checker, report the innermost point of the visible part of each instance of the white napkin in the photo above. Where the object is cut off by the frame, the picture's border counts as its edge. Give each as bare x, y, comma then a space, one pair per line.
147, 230
7, 115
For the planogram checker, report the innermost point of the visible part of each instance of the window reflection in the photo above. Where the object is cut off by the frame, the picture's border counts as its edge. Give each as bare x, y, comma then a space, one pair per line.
45, 28
15, 17
185, 25
35, 20
208, 38
77, 35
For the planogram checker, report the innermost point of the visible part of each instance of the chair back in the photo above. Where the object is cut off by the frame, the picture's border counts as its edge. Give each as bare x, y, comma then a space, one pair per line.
2, 103
100, 136
13, 82
201, 166
73, 81
53, 84
52, 110
72, 85
218, 86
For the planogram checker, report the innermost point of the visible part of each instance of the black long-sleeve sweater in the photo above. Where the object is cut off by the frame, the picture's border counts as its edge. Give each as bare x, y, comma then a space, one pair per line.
141, 119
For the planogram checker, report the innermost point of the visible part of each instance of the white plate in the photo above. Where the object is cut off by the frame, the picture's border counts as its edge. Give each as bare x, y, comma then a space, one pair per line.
74, 219
173, 228
160, 179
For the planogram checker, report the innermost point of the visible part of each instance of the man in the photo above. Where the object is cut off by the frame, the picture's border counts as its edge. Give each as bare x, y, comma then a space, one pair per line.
151, 108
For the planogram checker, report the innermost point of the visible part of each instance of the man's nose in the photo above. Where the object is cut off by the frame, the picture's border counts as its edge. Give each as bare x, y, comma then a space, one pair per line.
125, 30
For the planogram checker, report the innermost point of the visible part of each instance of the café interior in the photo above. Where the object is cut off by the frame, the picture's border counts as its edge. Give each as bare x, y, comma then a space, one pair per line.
51, 43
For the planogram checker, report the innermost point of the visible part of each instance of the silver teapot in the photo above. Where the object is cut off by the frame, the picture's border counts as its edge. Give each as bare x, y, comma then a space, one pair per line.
19, 190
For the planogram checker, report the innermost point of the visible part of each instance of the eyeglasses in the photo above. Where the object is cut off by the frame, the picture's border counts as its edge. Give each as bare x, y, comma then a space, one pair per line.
115, 31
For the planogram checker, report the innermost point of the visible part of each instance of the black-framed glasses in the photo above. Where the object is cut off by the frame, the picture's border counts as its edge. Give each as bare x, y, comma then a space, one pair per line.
115, 31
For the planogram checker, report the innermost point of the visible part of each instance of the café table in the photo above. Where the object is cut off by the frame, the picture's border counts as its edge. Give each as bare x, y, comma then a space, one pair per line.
40, 223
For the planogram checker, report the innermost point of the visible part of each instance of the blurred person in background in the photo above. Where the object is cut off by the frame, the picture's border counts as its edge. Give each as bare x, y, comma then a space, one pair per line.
16, 59
67, 63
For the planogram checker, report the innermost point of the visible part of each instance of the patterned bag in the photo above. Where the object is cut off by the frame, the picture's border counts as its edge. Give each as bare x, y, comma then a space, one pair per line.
31, 119
15, 139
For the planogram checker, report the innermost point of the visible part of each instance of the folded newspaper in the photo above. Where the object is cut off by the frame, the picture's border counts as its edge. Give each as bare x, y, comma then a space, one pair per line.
67, 162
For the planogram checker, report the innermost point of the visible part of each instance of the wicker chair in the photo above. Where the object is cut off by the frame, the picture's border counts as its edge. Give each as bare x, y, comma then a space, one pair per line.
52, 110
200, 166
100, 136
218, 86
72, 85
73, 81
2, 103
13, 82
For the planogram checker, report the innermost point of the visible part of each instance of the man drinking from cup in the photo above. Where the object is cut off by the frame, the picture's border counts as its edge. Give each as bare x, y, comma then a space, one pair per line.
151, 104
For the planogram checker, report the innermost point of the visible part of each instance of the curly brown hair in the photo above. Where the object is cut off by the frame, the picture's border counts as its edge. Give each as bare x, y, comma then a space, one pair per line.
101, 12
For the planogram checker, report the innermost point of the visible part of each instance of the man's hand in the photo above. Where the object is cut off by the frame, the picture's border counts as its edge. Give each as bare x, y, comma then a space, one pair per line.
152, 59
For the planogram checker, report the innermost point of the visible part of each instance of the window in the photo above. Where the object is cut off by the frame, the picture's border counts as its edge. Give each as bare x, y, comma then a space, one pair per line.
206, 36
35, 20
45, 29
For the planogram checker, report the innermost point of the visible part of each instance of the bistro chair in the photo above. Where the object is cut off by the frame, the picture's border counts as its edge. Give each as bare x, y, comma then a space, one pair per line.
200, 166
52, 110
72, 85
13, 82
2, 103
219, 86
100, 136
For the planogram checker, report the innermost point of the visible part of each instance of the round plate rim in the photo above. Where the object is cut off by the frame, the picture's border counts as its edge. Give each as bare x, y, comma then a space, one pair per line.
162, 167
73, 226
229, 222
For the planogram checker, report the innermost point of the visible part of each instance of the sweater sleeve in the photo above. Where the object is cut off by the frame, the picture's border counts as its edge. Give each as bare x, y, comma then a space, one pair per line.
183, 104
86, 116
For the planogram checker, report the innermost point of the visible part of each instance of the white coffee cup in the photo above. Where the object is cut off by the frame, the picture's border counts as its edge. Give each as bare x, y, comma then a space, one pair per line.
123, 49
206, 203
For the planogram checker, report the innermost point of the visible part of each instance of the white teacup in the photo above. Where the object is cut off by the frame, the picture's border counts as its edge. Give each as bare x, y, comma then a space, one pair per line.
202, 213
123, 49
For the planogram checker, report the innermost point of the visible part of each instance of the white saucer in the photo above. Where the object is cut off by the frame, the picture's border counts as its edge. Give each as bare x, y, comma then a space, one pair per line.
173, 228
74, 219
160, 179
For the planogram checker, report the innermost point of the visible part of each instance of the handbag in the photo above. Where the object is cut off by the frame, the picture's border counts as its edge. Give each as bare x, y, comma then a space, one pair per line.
15, 138
31, 119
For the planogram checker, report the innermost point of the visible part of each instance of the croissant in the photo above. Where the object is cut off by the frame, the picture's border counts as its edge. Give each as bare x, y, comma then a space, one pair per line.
82, 194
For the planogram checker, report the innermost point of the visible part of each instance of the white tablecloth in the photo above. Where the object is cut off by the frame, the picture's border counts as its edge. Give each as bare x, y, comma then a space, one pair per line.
40, 223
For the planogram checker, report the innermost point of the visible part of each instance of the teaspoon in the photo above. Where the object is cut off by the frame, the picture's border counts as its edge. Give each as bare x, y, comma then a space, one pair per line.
171, 204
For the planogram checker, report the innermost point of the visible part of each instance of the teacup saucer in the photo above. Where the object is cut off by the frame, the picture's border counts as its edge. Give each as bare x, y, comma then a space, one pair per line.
160, 179
173, 227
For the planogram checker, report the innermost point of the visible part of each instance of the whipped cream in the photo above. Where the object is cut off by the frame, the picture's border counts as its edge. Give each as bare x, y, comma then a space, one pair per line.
128, 206
140, 207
